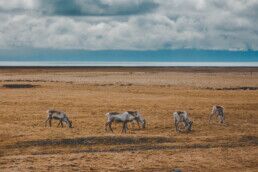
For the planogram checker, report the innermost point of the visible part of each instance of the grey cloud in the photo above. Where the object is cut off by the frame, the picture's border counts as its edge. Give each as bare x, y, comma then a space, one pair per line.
113, 24
80, 7
100, 7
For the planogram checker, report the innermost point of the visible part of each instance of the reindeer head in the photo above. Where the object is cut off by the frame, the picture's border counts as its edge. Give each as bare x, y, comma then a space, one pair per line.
140, 119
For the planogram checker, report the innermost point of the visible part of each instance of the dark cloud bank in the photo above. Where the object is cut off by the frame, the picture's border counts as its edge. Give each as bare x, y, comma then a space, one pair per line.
95, 7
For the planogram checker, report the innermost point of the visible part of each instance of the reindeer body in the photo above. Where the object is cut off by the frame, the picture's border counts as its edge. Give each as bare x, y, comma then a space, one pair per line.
57, 115
182, 117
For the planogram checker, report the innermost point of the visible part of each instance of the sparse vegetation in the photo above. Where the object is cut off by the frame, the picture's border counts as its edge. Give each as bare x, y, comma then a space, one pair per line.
18, 86
27, 145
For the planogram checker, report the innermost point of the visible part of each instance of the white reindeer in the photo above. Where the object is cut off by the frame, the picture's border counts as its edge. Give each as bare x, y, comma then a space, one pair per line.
219, 112
60, 116
182, 117
124, 118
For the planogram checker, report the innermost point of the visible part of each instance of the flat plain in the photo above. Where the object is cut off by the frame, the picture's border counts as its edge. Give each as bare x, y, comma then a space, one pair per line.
86, 94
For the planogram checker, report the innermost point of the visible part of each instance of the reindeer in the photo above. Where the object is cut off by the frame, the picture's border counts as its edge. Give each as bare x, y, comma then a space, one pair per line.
219, 112
182, 117
57, 115
124, 118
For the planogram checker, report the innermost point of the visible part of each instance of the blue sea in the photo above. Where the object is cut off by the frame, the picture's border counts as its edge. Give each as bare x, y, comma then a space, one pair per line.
51, 57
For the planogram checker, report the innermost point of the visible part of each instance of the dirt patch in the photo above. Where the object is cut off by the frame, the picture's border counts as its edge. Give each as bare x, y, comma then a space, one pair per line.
19, 86
234, 88
131, 144
107, 140
249, 139
160, 147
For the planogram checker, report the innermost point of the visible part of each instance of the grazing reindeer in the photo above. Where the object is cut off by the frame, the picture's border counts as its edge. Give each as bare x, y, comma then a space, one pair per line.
182, 117
57, 115
124, 118
219, 112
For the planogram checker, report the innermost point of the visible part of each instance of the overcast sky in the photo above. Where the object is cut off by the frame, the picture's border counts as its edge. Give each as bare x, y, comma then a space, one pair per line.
129, 24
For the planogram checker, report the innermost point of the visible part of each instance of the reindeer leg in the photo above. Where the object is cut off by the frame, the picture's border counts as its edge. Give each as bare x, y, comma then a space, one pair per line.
59, 123
50, 121
138, 124
62, 124
46, 122
110, 123
176, 124
221, 119
123, 128
186, 124
106, 126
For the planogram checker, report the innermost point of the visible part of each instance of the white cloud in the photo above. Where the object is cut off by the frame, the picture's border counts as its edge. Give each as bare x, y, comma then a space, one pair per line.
18, 4
119, 24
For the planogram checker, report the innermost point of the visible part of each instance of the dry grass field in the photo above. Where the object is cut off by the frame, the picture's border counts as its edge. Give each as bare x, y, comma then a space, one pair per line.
86, 94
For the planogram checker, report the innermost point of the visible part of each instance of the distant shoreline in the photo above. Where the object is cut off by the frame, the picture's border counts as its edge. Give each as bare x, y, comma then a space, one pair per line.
123, 64
130, 69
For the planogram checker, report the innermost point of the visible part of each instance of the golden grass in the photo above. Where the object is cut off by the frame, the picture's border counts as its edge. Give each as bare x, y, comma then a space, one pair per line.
87, 94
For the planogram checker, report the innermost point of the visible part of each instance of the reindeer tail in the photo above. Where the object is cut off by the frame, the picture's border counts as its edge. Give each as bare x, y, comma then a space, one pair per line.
107, 114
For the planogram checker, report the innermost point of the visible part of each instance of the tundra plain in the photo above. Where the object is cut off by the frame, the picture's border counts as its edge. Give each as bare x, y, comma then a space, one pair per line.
86, 94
